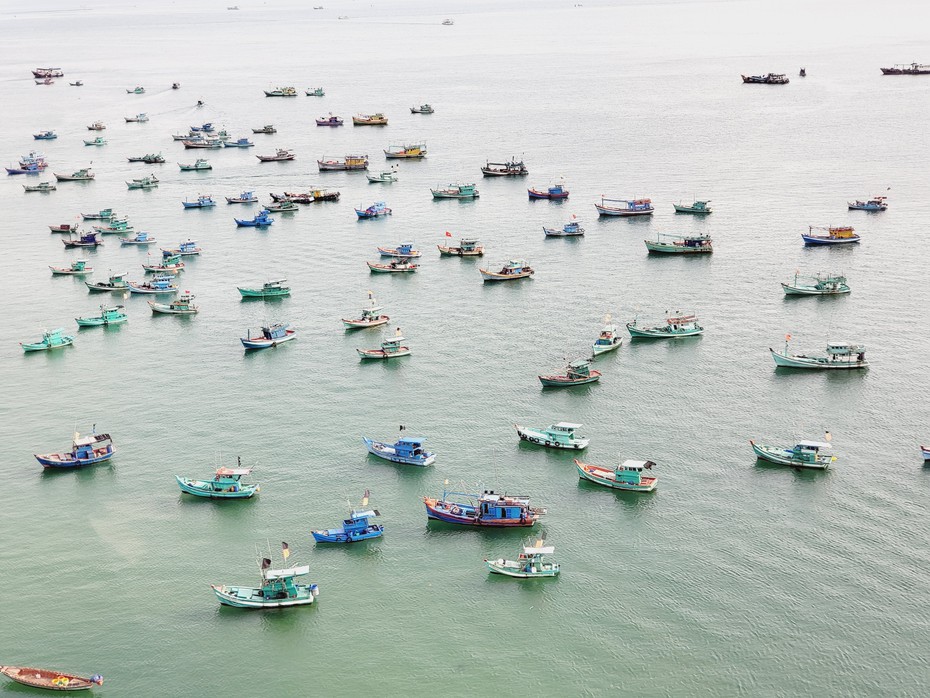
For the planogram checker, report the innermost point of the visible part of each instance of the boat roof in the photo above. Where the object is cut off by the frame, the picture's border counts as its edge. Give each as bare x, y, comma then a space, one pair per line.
233, 471
491, 496
814, 444
567, 425
413, 440
290, 572
634, 464
93, 438
366, 514
544, 550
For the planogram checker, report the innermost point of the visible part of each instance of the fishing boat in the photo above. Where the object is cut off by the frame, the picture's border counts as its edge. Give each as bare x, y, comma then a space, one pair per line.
179, 306
680, 244
261, 220
578, 372
283, 206
64, 228
203, 128
44, 187
447, 22
806, 454
530, 564
246, 197
467, 247
513, 270
271, 336
88, 450
277, 589
82, 175
422, 109
390, 348
31, 169
767, 79
45, 136
330, 120
369, 120
115, 226
397, 265
314, 92
280, 155
608, 339
268, 128
200, 164
203, 201
116, 284
202, 144
45, 81
553, 191
226, 483
404, 249
371, 316
486, 509
97, 126
513, 168
137, 119
819, 285
355, 528
158, 285
571, 229
99, 140
48, 73
907, 69
175, 86
149, 182
413, 151
238, 143
876, 203
560, 435
839, 355
109, 315
925, 452
802, 73
676, 325
52, 680
324, 195
148, 159
455, 191
185, 248
376, 210
33, 158
624, 207
696, 207
269, 289
349, 162
103, 215
384, 177
167, 265
83, 240
140, 238
138, 90
407, 450
51, 339
626, 476
839, 235
281, 92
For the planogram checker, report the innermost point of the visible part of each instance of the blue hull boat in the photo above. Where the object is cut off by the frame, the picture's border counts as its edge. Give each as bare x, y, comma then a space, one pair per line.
353, 529
408, 451
262, 220
85, 451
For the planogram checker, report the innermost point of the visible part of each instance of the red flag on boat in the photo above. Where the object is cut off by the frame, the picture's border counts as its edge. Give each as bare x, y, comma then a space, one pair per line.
448, 234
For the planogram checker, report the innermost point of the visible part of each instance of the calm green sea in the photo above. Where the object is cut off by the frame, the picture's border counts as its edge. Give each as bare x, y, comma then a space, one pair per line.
733, 578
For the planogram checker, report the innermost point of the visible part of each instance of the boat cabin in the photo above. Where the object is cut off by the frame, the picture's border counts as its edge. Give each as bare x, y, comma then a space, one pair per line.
844, 349
279, 584
358, 521
631, 471
409, 447
807, 451
274, 331
93, 446
681, 322
564, 428
499, 506
580, 368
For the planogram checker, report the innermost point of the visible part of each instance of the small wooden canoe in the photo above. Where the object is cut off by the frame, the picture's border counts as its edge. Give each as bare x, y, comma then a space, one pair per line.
52, 680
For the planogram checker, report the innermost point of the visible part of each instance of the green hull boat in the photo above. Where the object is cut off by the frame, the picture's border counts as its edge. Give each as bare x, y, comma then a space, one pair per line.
698, 207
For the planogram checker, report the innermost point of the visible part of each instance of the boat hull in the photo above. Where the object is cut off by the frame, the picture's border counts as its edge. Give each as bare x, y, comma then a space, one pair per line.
381, 354
495, 276
600, 476
100, 322
362, 324
658, 333
437, 512
248, 597
799, 361
784, 456
67, 460
338, 536
665, 248
604, 348
565, 381
199, 488
688, 209
812, 240
548, 441
621, 213
459, 252
259, 293
166, 309
262, 343
925, 452
49, 680
42, 346
813, 290
510, 568
388, 269
386, 451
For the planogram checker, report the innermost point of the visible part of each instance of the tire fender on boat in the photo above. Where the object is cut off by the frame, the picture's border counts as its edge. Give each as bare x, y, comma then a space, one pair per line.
548, 443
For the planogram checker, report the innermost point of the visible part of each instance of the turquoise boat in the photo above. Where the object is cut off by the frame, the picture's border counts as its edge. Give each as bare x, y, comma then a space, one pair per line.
680, 244
579, 372
277, 588
560, 435
51, 339
456, 191
529, 565
109, 315
315, 92
608, 339
102, 215
226, 484
839, 355
390, 349
355, 528
99, 140
698, 207
819, 285
116, 283
626, 476
806, 454
78, 268
675, 326
269, 289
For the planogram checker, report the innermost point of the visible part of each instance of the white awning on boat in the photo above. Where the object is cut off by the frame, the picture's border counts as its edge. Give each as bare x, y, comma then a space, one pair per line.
233, 471
814, 444
567, 425
292, 572
630, 464
546, 550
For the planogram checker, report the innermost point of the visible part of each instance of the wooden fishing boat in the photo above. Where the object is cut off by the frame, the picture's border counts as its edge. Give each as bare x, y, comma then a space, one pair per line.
51, 73
64, 228
390, 348
422, 109
578, 372
404, 249
137, 119
349, 162
83, 240
677, 325
699, 208
158, 285
839, 355
456, 191
315, 92
907, 69
819, 285
103, 215
806, 454
179, 306
238, 143
467, 247
554, 192
561, 436
369, 120
203, 201
45, 136
277, 589
283, 206
925, 452
32, 169
371, 316
324, 195
78, 268
200, 164
265, 129
486, 509
876, 203
802, 73
44, 187
171, 264
271, 336
571, 229
513, 168
82, 175
384, 177
109, 315
175, 86
407, 450
203, 128
138, 90
530, 564
355, 528
624, 208
140, 238
51, 680
246, 197
226, 483
202, 144
626, 476
397, 265
269, 289
290, 198
329, 121
97, 126
767, 79
114, 226
116, 284
186, 248
376, 210
680, 244
608, 339
149, 182
281, 92
87, 450
513, 270
51, 339
99, 140
261, 220
840, 235
412, 151
148, 159
280, 155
